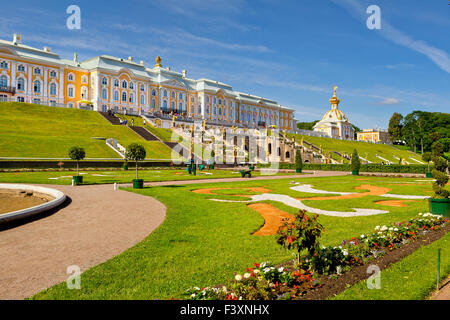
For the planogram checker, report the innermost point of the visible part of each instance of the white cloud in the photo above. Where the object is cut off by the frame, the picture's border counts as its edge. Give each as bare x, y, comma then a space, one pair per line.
438, 56
388, 101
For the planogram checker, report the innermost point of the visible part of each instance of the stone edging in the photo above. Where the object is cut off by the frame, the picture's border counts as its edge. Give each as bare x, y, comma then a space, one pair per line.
59, 198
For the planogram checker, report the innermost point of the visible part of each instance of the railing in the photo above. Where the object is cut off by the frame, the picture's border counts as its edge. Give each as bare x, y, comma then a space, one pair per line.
113, 144
8, 89
48, 103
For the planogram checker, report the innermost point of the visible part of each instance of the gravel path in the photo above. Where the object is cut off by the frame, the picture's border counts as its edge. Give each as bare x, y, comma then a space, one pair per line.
97, 225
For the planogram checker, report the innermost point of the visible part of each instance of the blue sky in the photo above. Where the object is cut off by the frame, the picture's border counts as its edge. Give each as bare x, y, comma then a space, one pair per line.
290, 51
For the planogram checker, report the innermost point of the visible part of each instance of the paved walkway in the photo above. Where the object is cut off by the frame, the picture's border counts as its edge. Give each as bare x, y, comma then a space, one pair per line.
97, 225
444, 292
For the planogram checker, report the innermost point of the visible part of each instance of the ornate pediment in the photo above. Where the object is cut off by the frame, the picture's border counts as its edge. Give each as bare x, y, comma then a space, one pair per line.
174, 83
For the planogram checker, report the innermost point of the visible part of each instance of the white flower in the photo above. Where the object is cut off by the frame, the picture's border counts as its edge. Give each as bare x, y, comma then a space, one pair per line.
256, 271
193, 295
362, 236
420, 214
377, 227
246, 275
197, 288
390, 229
263, 264
280, 269
338, 269
345, 252
238, 277
395, 229
383, 228
266, 270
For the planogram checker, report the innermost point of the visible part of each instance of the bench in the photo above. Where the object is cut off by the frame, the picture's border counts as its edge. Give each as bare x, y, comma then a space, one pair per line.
246, 173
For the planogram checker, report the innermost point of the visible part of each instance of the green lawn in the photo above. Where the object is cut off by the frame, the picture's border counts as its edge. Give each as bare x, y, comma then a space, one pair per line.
203, 242
118, 176
365, 149
29, 130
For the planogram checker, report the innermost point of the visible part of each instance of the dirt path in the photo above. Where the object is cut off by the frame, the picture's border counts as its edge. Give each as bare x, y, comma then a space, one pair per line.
97, 225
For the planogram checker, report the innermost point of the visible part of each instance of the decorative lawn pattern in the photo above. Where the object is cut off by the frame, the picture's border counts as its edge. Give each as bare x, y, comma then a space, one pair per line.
30, 130
204, 242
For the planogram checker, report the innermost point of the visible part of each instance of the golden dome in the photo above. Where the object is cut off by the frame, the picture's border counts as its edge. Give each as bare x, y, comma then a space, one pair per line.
158, 62
334, 100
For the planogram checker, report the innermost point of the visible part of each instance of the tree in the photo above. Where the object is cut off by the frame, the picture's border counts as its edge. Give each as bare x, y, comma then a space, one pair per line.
77, 154
137, 153
298, 160
437, 149
356, 163
307, 125
395, 127
426, 156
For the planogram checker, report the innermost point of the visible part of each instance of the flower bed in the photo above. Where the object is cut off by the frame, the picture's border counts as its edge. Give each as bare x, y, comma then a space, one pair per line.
324, 264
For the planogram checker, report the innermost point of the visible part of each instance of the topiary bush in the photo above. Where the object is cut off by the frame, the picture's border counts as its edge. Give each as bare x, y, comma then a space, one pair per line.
439, 173
77, 154
356, 163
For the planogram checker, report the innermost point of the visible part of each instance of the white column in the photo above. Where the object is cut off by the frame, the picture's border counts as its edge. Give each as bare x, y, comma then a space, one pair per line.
61, 86
13, 73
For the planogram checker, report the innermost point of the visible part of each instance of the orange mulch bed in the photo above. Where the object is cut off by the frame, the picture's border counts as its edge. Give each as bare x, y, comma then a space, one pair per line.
273, 218
252, 189
372, 191
394, 203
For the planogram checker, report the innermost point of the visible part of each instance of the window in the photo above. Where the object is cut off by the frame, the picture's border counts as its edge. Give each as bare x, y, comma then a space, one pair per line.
173, 94
154, 93
21, 68
116, 95
180, 107
131, 85
37, 101
199, 109
220, 102
180, 96
153, 104
142, 99
53, 103
220, 111
116, 83
215, 110
105, 81
20, 84
53, 74
70, 92
172, 106
70, 105
104, 94
165, 93
4, 65
124, 97
165, 105
20, 99
142, 87
124, 85
207, 99
37, 86
70, 77
131, 97
215, 100
53, 89
37, 71
3, 81
84, 79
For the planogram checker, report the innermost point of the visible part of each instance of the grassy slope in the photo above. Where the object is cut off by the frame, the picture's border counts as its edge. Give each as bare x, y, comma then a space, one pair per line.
412, 278
204, 242
29, 130
385, 151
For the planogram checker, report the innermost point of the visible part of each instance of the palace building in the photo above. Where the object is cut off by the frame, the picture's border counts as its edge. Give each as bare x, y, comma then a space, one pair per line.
122, 85
335, 123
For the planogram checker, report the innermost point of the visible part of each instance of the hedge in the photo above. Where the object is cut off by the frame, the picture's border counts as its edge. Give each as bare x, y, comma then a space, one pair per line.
395, 168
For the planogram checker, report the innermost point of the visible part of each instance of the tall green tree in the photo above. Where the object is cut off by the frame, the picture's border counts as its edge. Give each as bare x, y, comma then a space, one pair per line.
137, 153
77, 154
395, 126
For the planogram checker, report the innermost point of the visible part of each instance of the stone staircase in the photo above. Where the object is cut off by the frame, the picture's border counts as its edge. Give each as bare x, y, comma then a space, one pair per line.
110, 117
144, 133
